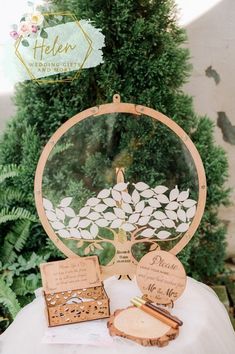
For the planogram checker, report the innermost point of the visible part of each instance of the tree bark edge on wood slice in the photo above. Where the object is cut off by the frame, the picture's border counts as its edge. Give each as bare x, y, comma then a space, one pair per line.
160, 341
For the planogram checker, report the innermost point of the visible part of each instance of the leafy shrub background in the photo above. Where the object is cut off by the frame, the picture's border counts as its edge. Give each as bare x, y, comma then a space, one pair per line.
145, 62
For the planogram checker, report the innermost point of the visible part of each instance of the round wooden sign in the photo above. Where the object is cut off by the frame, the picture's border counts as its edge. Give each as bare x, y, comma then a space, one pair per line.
161, 277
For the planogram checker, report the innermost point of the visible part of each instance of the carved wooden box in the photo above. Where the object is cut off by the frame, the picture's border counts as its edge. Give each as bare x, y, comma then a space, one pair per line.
68, 293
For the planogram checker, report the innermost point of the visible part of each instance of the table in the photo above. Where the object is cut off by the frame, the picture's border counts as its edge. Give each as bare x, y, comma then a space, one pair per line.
206, 330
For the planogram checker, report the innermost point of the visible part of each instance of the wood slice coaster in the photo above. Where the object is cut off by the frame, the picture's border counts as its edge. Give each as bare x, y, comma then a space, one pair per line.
136, 325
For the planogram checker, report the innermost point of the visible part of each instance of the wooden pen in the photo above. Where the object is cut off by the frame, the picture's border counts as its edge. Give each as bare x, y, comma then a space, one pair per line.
158, 309
155, 314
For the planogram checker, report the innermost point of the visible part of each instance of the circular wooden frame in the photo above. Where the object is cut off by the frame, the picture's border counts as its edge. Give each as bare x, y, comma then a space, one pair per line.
119, 107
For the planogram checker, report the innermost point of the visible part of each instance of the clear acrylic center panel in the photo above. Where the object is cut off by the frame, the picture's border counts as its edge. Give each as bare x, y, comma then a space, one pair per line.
118, 186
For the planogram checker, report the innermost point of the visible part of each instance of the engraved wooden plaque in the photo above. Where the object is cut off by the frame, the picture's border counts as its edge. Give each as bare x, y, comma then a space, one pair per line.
161, 277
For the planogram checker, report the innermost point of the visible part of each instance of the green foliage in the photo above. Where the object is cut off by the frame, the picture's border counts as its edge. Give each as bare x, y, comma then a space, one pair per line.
8, 299
145, 62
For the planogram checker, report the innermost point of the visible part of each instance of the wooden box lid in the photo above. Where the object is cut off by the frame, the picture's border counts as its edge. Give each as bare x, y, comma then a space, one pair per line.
70, 274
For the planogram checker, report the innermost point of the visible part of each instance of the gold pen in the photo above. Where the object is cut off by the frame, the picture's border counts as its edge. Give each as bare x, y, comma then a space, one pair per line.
158, 309
154, 313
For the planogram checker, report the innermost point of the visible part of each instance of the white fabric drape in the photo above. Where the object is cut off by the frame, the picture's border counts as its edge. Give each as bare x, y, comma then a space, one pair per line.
206, 329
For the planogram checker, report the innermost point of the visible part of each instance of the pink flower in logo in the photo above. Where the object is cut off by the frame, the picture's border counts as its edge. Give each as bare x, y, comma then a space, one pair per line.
24, 29
34, 29
14, 34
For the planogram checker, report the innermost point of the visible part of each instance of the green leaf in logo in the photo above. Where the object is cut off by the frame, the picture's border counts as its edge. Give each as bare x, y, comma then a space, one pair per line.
43, 34
25, 43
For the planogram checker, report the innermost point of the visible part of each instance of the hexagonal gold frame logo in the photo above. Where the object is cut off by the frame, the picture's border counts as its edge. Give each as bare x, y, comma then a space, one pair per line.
77, 72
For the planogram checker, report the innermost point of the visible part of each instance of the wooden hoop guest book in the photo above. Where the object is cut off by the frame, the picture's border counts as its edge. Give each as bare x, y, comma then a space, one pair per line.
111, 215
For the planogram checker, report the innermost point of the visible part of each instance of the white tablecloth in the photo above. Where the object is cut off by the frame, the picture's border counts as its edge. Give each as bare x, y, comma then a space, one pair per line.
206, 329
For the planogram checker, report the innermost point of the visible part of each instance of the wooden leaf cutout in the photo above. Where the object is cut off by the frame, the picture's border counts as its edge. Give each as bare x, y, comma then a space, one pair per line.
80, 244
86, 234
162, 198
94, 230
171, 214
134, 218
148, 193
191, 212
128, 227
163, 235
92, 201
51, 215
160, 189
181, 215
119, 212
174, 194
93, 215
102, 222
74, 222
141, 186
139, 206
116, 224
155, 224
154, 203
159, 215
120, 186
135, 197
75, 233
100, 208
84, 211
143, 220
127, 208
188, 203
147, 211
60, 214
126, 197
183, 195
57, 225
147, 233
69, 212
47, 204
98, 246
182, 227
84, 223
64, 233
110, 202
172, 206
168, 223
109, 216
66, 202
116, 195
87, 250
153, 247
104, 194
